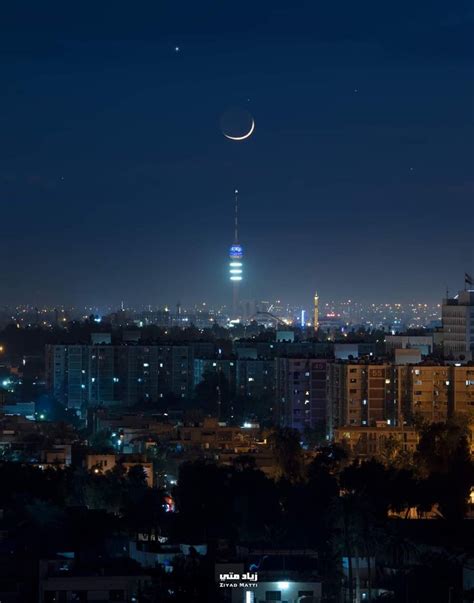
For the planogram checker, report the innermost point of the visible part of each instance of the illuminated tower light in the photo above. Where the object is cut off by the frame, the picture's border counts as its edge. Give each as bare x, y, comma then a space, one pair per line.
316, 312
236, 256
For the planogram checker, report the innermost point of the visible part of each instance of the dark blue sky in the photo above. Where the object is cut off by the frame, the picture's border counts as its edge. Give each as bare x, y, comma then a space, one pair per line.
116, 182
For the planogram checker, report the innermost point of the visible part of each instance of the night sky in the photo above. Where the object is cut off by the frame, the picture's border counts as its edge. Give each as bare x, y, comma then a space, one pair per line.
117, 183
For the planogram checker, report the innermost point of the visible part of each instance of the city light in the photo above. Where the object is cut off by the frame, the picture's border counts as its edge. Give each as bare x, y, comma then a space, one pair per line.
171, 430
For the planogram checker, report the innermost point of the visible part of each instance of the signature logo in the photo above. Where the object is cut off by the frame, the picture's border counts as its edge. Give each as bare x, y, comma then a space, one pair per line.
234, 576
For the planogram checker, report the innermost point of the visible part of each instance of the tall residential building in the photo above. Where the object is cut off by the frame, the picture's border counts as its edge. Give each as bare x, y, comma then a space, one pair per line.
362, 395
436, 392
301, 392
424, 391
457, 316
102, 375
462, 388
247, 378
220, 366
255, 379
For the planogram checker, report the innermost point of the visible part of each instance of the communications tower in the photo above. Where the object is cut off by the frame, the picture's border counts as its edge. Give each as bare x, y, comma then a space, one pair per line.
316, 312
235, 259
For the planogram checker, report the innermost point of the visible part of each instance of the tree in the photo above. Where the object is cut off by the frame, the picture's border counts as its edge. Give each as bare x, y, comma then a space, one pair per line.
392, 454
441, 443
204, 501
444, 459
314, 436
101, 442
158, 456
287, 453
213, 393
136, 477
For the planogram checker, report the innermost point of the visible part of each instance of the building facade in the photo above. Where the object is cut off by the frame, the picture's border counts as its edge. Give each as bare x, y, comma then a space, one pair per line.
301, 392
104, 375
364, 395
457, 316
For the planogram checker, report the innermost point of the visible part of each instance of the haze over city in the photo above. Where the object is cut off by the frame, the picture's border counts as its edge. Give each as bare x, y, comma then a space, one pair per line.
117, 181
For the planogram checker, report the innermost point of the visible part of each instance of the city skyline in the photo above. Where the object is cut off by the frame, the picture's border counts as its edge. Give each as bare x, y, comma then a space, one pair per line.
237, 302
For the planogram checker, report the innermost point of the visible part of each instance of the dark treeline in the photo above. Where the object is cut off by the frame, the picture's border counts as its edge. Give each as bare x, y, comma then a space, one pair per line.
339, 507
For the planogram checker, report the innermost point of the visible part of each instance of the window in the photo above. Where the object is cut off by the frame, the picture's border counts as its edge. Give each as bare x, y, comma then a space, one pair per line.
273, 595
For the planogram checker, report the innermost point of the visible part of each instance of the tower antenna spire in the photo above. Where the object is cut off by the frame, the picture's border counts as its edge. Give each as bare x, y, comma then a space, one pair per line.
236, 217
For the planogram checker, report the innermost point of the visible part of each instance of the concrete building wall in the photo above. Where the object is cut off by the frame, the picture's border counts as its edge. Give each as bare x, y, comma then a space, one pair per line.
458, 326
301, 392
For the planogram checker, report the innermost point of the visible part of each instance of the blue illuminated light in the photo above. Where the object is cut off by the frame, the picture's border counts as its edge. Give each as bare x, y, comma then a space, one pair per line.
236, 251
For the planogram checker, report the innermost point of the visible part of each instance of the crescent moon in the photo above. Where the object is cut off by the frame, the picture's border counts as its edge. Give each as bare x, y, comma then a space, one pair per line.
249, 133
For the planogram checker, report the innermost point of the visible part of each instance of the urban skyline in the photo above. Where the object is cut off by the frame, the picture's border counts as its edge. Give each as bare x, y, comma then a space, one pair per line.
237, 302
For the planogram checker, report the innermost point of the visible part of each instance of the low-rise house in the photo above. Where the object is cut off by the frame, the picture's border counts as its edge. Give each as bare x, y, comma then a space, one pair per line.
368, 442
